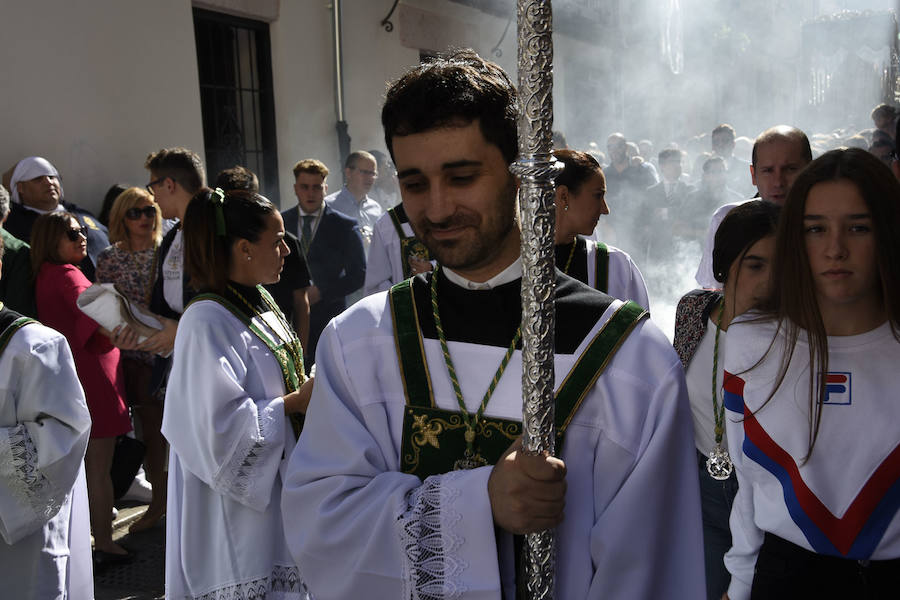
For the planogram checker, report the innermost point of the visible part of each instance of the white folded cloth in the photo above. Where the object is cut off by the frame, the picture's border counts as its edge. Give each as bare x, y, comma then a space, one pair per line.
110, 308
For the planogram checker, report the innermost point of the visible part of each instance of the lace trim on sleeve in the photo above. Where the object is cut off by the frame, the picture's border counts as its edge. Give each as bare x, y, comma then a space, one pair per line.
431, 564
237, 477
283, 584
18, 466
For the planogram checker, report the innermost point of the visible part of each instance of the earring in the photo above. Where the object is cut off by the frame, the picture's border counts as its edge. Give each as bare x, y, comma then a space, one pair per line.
566, 207
248, 257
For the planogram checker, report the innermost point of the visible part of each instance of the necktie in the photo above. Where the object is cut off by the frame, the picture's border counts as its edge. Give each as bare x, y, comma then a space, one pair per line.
307, 232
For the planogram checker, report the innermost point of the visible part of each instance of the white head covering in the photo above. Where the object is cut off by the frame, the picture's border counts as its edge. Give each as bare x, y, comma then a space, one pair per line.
31, 168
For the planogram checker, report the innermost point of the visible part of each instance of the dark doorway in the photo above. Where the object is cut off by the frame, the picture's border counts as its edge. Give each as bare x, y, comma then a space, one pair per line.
234, 61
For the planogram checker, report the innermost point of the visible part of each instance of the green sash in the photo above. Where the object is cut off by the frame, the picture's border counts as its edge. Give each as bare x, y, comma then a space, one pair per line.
433, 438
11, 322
601, 265
292, 373
410, 246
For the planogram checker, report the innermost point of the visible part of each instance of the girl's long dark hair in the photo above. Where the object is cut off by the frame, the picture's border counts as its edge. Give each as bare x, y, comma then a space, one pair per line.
794, 294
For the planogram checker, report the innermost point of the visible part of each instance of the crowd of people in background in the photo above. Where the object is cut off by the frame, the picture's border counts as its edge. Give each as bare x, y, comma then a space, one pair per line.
273, 325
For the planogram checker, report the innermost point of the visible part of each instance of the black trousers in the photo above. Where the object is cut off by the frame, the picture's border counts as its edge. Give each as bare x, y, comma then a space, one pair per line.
786, 570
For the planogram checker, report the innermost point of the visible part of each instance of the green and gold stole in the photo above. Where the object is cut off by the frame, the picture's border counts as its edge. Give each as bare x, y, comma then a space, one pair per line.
10, 323
601, 266
292, 373
433, 438
410, 246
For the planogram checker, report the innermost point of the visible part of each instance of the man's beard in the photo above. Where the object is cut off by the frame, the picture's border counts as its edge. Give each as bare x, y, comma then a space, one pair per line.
470, 251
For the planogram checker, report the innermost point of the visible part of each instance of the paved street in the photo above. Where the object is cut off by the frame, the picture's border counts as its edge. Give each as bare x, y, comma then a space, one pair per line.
143, 579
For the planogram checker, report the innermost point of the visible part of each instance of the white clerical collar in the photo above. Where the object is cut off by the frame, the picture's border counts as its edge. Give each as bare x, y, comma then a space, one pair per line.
315, 213
510, 273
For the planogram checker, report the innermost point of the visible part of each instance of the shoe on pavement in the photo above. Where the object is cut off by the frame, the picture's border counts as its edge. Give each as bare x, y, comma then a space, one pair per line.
140, 490
103, 560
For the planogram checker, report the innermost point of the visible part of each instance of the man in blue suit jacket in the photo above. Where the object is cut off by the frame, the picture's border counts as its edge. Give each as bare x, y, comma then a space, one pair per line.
332, 245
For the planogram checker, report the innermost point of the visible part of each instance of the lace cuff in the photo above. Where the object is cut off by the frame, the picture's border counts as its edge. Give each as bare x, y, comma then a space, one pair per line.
239, 478
19, 469
283, 584
431, 561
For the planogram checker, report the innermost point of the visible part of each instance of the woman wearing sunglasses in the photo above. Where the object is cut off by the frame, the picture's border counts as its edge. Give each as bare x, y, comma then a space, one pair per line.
58, 245
135, 230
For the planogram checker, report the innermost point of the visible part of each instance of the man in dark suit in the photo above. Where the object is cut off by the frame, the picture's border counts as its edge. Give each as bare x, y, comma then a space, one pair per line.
662, 203
332, 246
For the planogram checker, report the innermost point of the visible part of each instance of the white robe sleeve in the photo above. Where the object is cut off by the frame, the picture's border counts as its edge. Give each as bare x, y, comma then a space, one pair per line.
746, 540
629, 280
379, 271
746, 537
646, 541
227, 439
41, 453
358, 527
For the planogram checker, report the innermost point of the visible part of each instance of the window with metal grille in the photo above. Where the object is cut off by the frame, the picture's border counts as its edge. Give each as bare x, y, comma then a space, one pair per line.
234, 61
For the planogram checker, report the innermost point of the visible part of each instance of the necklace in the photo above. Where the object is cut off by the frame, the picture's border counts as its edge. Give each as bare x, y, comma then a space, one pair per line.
718, 465
471, 460
571, 255
290, 342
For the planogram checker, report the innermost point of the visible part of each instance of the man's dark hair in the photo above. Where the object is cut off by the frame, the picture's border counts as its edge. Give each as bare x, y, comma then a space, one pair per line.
181, 165
724, 128
782, 133
237, 178
669, 154
713, 160
882, 142
310, 165
355, 156
454, 90
883, 111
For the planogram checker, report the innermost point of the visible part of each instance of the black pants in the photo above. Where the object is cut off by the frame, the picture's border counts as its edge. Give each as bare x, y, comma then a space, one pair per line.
785, 570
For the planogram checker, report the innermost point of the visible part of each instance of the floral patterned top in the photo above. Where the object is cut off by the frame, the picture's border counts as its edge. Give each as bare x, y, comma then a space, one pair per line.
134, 274
691, 316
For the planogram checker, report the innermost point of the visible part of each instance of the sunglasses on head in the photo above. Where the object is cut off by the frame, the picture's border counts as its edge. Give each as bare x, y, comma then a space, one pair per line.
136, 213
75, 234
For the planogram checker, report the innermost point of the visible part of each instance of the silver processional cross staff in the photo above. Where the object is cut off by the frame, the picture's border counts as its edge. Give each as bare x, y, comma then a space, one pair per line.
536, 167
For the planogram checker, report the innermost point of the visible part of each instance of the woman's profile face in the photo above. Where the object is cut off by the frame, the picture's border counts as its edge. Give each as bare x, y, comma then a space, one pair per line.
840, 242
748, 277
268, 252
588, 204
72, 244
